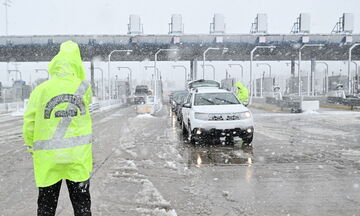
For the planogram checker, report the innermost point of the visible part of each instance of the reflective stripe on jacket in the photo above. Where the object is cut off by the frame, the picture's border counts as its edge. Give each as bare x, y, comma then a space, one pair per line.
57, 124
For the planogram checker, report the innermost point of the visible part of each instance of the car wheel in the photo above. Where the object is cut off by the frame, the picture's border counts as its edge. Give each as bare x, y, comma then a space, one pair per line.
184, 130
230, 141
191, 138
190, 135
247, 140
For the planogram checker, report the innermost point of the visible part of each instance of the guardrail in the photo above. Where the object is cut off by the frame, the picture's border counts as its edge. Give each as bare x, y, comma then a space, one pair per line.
287, 102
349, 101
94, 107
11, 107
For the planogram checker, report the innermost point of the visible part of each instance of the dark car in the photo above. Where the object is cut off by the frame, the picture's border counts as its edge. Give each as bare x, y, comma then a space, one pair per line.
141, 92
179, 100
172, 95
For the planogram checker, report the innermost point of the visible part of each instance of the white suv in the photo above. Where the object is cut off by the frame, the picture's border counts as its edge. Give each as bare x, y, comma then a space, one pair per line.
216, 113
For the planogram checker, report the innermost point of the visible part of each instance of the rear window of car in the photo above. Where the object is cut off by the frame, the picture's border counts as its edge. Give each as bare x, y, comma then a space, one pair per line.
179, 98
204, 83
141, 90
203, 99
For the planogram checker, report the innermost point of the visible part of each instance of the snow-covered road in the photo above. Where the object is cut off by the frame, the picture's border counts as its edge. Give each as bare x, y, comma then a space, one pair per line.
301, 164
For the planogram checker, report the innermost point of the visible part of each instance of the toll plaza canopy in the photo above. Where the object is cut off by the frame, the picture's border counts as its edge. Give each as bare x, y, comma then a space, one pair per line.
190, 47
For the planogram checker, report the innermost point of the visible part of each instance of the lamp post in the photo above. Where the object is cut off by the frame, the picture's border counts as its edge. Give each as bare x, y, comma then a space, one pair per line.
115, 87
212, 66
153, 75
109, 59
357, 76
155, 69
326, 76
204, 55
251, 62
262, 77
130, 76
185, 70
349, 72
242, 69
299, 64
7, 4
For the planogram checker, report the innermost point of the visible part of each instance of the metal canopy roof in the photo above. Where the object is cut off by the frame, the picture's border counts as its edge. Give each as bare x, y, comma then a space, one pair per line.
43, 48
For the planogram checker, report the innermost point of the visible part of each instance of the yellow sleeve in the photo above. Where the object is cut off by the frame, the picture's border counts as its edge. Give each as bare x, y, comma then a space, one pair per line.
88, 96
29, 120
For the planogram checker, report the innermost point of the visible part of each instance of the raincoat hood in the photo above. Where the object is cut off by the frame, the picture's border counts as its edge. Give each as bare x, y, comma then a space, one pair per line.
67, 62
239, 85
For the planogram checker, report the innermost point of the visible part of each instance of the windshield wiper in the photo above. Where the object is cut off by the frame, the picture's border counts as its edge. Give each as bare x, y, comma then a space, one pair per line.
210, 101
221, 99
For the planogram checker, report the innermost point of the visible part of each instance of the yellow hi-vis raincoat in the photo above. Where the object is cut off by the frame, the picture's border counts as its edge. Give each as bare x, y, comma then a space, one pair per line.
57, 124
242, 92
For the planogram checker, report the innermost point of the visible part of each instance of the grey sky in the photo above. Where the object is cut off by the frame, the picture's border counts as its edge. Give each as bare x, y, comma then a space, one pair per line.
38, 17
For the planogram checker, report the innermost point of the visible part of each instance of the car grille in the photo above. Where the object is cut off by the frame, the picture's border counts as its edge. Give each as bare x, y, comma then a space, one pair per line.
224, 117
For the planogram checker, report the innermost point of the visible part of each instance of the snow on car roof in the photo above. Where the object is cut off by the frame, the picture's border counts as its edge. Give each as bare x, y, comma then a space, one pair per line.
203, 83
211, 90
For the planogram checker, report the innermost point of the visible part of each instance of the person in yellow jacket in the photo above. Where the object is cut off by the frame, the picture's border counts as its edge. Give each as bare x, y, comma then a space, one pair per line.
242, 93
57, 130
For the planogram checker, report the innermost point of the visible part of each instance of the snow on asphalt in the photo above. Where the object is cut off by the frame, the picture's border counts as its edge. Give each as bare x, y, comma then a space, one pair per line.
145, 116
135, 145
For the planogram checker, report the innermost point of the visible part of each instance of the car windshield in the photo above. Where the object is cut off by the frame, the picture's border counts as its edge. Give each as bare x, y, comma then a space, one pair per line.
204, 99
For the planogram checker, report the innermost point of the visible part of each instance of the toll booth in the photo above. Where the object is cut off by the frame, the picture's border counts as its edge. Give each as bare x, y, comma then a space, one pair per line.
20, 90
266, 83
356, 85
334, 81
122, 89
292, 85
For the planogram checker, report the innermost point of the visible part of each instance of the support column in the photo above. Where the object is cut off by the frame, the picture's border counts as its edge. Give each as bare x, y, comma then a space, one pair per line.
292, 68
193, 69
92, 77
312, 76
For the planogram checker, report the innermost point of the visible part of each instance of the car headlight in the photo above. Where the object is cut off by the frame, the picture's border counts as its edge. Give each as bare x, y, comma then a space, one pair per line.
202, 116
245, 115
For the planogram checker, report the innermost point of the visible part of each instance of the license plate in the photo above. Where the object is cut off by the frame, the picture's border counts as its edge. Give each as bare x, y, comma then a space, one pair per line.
222, 138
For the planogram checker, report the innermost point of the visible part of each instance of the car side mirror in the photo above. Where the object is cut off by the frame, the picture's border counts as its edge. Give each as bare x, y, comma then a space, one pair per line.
187, 105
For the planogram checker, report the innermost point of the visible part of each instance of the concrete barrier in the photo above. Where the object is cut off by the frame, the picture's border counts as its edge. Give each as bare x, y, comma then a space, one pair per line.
11, 107
307, 106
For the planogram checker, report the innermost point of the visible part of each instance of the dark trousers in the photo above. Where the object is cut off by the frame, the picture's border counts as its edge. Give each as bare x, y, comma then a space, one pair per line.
79, 195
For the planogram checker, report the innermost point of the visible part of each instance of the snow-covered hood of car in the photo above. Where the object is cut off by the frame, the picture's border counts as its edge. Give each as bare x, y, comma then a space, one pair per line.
220, 108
